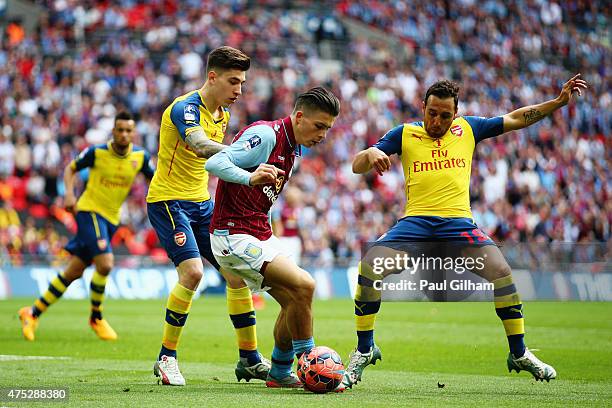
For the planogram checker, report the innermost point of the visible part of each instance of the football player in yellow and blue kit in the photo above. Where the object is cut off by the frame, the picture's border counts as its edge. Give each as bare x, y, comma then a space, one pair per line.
436, 156
112, 169
180, 208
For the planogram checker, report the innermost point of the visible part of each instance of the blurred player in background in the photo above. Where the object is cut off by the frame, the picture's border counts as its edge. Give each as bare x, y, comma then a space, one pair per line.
252, 173
180, 208
285, 224
113, 167
436, 155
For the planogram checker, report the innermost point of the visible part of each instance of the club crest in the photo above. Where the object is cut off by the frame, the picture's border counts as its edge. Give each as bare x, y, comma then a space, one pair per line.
180, 238
457, 130
102, 244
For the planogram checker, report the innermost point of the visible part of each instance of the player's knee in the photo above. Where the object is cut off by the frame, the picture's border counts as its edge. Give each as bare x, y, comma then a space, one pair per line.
193, 274
72, 275
233, 281
104, 268
501, 271
306, 288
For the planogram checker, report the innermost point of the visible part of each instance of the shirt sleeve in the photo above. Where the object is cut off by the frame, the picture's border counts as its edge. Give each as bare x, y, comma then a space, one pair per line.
391, 142
485, 128
85, 159
186, 117
147, 168
249, 151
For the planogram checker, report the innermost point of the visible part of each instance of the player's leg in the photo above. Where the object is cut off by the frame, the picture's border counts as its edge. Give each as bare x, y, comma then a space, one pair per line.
239, 305
368, 299
103, 265
178, 305
283, 274
262, 265
251, 363
81, 247
103, 261
367, 306
509, 308
281, 374
172, 225
29, 315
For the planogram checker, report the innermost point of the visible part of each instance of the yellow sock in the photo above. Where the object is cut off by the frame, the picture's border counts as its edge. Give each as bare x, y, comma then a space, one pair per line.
177, 309
242, 313
56, 289
97, 287
367, 305
509, 308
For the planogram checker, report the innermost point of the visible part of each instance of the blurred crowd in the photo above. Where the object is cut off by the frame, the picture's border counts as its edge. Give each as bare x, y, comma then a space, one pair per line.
61, 85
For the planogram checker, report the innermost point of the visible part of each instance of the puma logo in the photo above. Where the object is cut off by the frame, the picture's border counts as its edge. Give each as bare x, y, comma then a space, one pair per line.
177, 318
359, 308
515, 310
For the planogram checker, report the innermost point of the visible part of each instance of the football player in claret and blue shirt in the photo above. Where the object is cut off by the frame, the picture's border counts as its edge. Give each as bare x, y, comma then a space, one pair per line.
436, 156
112, 169
252, 173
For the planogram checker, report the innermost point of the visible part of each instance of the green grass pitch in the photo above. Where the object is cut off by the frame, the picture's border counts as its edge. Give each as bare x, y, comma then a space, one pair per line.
461, 345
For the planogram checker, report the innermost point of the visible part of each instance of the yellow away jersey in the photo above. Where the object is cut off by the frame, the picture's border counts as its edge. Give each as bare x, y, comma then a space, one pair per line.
437, 171
110, 178
180, 173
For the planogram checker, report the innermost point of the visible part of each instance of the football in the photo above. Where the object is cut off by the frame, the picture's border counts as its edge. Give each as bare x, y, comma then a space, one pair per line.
321, 370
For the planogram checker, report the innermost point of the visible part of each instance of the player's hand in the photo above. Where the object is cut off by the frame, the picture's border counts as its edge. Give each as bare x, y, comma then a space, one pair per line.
69, 203
265, 174
379, 160
575, 84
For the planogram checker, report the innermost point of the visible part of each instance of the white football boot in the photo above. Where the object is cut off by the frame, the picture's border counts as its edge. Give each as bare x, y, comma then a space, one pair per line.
529, 362
168, 371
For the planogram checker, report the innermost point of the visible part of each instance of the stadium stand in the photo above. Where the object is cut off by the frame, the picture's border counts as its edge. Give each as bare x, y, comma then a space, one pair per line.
61, 84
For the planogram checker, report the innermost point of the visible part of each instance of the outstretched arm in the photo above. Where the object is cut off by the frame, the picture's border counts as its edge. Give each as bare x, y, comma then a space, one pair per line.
529, 115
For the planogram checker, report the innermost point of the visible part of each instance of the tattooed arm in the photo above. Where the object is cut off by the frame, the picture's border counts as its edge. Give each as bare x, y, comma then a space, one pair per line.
201, 145
529, 115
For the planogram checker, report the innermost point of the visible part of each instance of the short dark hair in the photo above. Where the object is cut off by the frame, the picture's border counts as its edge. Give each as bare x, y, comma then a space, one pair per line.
444, 89
123, 115
226, 57
318, 99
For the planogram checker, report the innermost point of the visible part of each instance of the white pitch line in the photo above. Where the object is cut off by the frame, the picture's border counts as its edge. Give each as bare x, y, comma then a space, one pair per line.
10, 357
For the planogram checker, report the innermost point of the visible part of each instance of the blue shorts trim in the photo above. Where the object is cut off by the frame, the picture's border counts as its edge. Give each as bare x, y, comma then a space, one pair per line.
182, 229
431, 229
94, 235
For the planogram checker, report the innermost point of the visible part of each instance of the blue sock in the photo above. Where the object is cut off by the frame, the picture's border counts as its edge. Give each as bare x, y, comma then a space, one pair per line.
517, 345
365, 341
250, 357
303, 346
166, 352
281, 363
